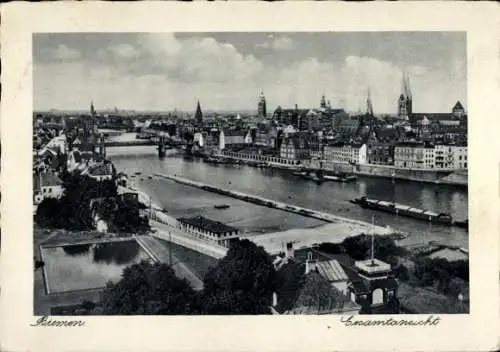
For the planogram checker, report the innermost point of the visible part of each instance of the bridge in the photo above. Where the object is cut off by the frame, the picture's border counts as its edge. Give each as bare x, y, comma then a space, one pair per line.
162, 141
139, 142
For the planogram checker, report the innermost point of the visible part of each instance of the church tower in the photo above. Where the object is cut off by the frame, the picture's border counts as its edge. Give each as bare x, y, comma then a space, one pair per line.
405, 101
369, 105
261, 105
198, 116
92, 109
91, 123
323, 102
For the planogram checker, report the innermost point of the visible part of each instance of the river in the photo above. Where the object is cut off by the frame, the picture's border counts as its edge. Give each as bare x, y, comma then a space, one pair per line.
332, 197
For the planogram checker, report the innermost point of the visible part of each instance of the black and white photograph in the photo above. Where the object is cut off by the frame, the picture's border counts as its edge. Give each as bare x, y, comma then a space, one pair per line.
250, 173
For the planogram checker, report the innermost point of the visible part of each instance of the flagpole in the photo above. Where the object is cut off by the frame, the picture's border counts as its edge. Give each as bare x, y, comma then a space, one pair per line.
373, 235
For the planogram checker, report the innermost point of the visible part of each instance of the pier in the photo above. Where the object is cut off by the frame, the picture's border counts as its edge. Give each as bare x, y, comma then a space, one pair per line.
281, 206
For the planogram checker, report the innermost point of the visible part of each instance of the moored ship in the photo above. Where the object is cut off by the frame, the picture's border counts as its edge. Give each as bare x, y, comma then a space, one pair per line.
404, 210
340, 178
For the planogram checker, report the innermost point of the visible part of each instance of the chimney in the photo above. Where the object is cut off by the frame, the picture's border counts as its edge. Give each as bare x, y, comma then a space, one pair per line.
310, 263
275, 299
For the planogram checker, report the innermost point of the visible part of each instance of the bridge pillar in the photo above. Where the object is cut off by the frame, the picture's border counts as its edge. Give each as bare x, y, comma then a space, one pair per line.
161, 147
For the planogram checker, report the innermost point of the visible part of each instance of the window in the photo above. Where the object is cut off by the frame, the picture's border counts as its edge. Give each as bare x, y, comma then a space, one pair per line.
378, 296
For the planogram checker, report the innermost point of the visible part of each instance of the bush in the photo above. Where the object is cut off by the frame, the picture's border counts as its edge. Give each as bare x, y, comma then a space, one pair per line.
402, 273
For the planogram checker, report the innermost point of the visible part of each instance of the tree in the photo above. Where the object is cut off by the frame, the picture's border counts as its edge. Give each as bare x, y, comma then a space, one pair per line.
227, 302
148, 289
247, 274
48, 213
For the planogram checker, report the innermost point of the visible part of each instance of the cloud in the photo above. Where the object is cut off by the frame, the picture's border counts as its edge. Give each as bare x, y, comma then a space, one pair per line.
279, 43
126, 51
195, 59
61, 53
283, 43
173, 73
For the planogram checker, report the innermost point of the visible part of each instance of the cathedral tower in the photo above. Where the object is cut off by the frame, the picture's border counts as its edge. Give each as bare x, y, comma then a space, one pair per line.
369, 105
405, 101
261, 106
323, 102
198, 116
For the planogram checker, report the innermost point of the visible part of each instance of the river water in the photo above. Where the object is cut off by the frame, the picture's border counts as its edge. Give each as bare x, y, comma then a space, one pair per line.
332, 197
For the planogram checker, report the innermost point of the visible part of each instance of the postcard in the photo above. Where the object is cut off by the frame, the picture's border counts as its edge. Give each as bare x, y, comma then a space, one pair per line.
250, 176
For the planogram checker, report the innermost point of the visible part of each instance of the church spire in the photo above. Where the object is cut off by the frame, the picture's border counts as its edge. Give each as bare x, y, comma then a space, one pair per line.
407, 89
369, 106
198, 114
92, 109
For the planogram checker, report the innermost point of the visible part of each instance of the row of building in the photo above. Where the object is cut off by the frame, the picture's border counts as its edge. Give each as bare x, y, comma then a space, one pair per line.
404, 155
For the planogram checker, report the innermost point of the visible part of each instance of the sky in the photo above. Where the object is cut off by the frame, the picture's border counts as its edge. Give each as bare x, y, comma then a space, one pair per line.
227, 71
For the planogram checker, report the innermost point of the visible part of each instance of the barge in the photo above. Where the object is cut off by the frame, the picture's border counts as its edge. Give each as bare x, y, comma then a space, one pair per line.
404, 210
221, 206
346, 178
319, 177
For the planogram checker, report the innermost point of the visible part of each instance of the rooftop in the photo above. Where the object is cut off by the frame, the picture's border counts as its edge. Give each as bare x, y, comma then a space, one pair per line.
373, 266
46, 180
207, 224
101, 170
317, 296
331, 270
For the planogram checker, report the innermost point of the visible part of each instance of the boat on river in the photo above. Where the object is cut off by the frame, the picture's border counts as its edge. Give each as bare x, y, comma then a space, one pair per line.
319, 177
214, 160
340, 178
404, 210
463, 224
222, 206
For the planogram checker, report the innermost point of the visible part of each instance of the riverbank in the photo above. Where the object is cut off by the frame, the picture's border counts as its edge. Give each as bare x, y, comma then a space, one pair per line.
330, 197
445, 177
335, 229
330, 218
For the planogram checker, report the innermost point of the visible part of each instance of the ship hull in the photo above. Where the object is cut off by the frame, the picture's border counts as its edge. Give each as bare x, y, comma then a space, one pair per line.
443, 219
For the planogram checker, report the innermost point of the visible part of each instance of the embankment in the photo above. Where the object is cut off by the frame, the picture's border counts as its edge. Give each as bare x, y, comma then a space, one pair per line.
448, 177
281, 206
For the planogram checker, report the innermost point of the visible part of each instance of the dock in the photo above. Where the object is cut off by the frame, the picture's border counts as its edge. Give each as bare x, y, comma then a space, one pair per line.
327, 217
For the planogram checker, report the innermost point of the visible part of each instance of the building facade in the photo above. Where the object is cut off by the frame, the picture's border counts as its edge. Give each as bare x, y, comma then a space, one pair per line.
414, 156
380, 154
451, 157
209, 230
345, 153
298, 146
46, 185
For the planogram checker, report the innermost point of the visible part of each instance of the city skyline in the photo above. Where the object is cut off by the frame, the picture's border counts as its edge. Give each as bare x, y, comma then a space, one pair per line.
227, 71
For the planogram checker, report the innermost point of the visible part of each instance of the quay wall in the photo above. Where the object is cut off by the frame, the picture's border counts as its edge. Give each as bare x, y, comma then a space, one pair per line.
279, 205
449, 177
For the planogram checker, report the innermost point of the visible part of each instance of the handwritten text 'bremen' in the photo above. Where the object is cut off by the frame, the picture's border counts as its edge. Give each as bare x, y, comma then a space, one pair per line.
46, 322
